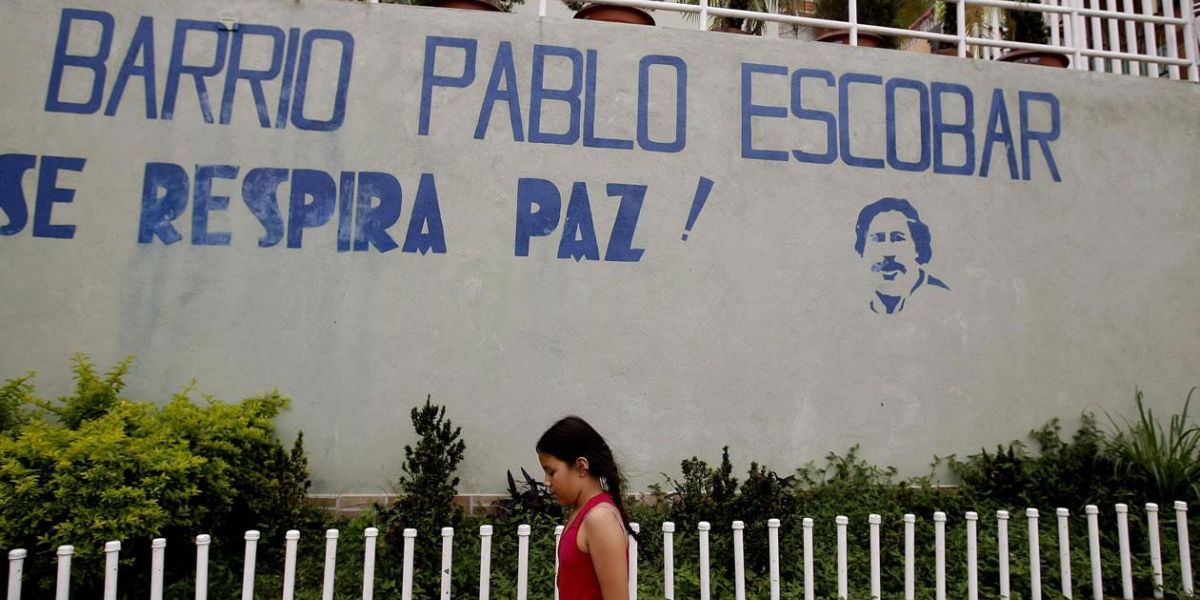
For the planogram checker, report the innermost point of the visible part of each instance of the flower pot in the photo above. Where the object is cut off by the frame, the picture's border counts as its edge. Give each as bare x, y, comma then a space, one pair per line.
865, 40
615, 14
1036, 57
486, 5
947, 51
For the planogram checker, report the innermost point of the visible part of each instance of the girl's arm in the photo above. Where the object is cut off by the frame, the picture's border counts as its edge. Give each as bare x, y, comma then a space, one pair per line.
608, 546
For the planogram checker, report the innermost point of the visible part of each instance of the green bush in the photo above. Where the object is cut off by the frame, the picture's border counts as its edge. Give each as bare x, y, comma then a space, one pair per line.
427, 490
94, 466
1162, 463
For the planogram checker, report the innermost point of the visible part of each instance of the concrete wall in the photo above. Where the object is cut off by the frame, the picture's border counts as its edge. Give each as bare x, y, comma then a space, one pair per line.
1060, 209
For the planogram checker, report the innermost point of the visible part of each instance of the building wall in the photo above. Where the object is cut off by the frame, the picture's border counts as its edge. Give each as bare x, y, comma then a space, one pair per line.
685, 283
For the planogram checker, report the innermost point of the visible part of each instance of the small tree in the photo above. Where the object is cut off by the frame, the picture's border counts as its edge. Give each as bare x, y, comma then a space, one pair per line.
427, 490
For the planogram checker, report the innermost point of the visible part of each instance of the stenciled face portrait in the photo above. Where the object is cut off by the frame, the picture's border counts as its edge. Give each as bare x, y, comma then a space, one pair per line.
891, 253
895, 245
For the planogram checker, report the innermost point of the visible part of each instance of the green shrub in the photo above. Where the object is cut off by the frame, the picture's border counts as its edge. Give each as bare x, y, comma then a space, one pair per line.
427, 490
1162, 463
14, 395
94, 466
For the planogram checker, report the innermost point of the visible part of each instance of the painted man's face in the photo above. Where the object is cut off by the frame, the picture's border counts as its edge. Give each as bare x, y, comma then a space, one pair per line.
891, 252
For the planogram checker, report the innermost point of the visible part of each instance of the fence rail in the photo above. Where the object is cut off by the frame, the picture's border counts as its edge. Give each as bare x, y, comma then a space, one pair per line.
1066, 20
112, 550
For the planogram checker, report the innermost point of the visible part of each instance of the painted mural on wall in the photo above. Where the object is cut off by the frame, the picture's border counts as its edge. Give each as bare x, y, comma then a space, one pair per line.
357, 203
365, 206
891, 237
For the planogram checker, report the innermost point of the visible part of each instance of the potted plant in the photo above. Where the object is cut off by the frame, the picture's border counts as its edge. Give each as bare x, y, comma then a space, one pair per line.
870, 12
608, 12
486, 5
1029, 26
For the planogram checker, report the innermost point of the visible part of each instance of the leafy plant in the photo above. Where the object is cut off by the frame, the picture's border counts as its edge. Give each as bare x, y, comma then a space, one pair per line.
427, 489
13, 396
1163, 462
533, 501
95, 466
1026, 25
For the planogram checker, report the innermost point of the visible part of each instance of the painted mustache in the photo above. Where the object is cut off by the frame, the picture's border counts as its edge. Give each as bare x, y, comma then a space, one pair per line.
889, 265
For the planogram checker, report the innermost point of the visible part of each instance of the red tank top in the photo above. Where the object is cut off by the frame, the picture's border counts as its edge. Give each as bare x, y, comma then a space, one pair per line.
577, 578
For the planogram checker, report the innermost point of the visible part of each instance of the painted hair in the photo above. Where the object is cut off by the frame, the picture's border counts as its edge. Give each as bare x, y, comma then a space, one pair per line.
571, 438
916, 228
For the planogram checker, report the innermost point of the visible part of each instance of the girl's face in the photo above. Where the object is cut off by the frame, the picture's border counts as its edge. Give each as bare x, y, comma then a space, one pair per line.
564, 480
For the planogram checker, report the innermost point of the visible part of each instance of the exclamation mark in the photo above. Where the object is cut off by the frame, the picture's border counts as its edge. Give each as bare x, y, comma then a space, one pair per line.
702, 190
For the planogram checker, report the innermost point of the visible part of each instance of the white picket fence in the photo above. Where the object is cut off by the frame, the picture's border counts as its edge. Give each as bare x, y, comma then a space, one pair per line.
112, 552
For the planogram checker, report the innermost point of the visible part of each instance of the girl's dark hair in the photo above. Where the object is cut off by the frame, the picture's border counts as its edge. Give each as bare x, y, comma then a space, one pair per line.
571, 438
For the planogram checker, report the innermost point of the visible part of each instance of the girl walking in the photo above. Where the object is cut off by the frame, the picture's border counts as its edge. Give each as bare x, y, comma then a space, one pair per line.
593, 553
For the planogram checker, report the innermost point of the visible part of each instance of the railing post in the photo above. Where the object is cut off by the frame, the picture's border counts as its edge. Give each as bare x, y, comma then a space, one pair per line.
910, 568
843, 586
939, 554
158, 549
1064, 551
406, 582
1002, 553
251, 538
290, 540
1189, 44
633, 561
370, 535
331, 540
16, 568
668, 530
960, 12
1096, 41
1079, 35
558, 532
202, 543
873, 523
1123, 543
705, 589
1114, 38
994, 52
447, 560
972, 556
703, 15
1185, 549
112, 552
1171, 33
1055, 37
809, 592
853, 6
739, 562
1156, 566
62, 588
773, 555
1130, 37
542, 8
485, 561
1150, 34
523, 562
1093, 522
1035, 555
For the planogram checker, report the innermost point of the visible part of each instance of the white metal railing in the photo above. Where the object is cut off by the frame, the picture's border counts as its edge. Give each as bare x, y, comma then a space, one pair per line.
17, 558
1066, 20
